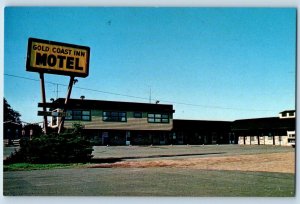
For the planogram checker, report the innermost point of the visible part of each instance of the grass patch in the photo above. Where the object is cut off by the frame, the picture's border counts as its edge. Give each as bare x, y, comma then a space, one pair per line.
28, 166
190, 182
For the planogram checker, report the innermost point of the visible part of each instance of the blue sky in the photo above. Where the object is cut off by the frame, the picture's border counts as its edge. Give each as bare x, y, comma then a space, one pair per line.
211, 64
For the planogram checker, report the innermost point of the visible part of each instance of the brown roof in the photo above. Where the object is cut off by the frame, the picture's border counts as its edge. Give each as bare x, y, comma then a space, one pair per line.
198, 125
113, 105
272, 123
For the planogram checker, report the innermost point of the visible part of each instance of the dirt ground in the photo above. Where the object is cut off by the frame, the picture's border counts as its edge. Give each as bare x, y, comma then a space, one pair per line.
283, 162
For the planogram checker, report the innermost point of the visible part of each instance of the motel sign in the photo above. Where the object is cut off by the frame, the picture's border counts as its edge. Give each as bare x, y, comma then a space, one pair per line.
44, 56
57, 58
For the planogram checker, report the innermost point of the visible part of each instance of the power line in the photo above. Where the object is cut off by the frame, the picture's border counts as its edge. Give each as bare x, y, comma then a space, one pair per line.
11, 75
106, 92
77, 87
143, 98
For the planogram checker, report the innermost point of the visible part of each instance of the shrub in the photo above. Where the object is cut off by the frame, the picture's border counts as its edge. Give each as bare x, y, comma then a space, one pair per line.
53, 148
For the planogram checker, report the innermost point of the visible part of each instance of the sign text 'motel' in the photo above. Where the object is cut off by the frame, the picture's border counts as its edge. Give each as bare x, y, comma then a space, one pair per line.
57, 58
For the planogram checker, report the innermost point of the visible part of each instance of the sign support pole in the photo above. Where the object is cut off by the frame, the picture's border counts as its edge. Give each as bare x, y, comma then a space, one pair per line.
61, 124
44, 100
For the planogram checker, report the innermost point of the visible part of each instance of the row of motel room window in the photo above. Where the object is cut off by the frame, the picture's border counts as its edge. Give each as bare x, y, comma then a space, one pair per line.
112, 123
112, 116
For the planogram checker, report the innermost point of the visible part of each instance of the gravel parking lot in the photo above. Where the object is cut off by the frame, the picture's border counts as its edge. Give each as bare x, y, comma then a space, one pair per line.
176, 151
182, 151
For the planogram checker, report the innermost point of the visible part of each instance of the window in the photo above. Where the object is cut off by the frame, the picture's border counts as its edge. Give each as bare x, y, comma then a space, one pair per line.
113, 116
284, 114
158, 118
137, 114
291, 135
68, 115
84, 115
291, 113
76, 115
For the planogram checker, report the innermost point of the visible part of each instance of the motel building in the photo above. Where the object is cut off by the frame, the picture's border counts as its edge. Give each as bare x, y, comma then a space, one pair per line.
119, 123
131, 123
267, 131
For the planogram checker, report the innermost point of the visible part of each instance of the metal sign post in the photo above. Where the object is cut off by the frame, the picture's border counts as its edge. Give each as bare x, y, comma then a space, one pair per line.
61, 124
44, 100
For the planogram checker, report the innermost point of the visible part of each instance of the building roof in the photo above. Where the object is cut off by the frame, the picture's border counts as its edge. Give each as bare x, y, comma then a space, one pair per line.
288, 111
272, 123
113, 105
198, 125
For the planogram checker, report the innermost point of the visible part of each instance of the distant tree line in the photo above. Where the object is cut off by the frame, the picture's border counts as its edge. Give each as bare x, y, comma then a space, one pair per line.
10, 114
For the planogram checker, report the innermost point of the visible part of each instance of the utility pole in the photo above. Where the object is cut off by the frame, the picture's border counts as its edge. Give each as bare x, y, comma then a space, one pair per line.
150, 95
56, 91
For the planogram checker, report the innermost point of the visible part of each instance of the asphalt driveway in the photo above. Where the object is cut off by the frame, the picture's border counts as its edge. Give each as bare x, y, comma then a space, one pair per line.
146, 182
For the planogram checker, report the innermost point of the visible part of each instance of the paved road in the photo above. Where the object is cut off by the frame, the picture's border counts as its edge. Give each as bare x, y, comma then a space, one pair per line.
8, 150
146, 182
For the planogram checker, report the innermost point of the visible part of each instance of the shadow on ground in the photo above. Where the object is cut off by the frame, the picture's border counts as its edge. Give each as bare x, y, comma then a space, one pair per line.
118, 159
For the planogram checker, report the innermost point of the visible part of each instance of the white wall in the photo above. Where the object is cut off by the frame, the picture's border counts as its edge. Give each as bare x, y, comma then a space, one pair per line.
264, 140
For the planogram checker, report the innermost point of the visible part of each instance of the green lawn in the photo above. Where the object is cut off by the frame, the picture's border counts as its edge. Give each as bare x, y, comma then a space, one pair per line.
28, 166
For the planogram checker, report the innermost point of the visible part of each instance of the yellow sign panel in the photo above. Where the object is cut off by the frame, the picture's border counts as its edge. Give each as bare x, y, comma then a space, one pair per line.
57, 58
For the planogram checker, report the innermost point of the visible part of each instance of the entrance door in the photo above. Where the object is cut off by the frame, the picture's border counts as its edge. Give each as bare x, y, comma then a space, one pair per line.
104, 138
214, 138
128, 138
162, 139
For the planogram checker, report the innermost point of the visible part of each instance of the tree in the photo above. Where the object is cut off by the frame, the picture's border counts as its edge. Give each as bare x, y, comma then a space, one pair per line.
9, 113
53, 148
33, 129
